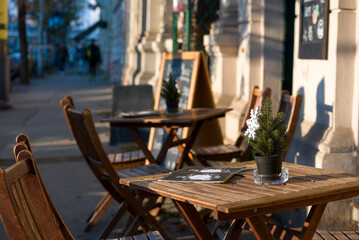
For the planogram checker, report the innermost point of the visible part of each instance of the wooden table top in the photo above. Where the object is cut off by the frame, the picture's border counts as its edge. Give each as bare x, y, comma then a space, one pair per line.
184, 119
241, 197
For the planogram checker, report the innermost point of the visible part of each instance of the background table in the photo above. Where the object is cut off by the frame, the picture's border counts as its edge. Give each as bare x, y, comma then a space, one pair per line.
192, 118
241, 198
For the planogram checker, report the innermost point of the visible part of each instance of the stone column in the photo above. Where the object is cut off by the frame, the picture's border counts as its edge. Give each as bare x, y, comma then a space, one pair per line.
119, 30
325, 137
163, 41
152, 29
260, 47
222, 46
135, 31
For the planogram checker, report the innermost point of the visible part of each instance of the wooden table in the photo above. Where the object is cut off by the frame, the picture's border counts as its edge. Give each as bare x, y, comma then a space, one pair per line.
192, 118
241, 198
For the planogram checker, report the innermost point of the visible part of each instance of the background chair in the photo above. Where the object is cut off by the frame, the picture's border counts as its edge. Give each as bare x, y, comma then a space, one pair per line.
290, 105
26, 210
121, 160
214, 155
138, 206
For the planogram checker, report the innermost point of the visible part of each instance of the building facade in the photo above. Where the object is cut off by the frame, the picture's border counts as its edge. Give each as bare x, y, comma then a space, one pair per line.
255, 43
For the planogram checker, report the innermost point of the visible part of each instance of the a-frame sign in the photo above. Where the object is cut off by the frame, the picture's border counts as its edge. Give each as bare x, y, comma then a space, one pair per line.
191, 70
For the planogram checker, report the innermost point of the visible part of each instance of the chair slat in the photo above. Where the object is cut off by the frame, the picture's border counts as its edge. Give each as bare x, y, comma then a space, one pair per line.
351, 234
15, 173
326, 235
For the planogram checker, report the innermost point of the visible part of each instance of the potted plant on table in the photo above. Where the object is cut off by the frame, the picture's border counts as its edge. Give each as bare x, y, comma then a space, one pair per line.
269, 137
171, 93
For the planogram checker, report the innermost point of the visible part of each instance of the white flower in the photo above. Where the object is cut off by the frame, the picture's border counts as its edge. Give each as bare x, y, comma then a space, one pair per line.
252, 123
179, 86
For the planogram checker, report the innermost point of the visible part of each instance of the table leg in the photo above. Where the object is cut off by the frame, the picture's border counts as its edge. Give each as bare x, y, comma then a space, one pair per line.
176, 138
171, 134
234, 230
142, 144
259, 228
312, 221
194, 219
192, 135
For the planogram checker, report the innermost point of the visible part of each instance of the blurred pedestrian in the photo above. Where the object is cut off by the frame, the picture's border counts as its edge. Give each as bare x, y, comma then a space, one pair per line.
93, 57
62, 55
81, 58
72, 56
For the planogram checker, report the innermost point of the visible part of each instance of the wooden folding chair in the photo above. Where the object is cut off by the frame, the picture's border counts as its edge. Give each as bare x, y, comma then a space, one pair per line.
122, 160
290, 105
138, 206
212, 155
26, 209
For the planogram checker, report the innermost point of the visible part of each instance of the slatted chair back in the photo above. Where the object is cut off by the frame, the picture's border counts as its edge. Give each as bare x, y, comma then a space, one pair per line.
87, 138
23, 143
218, 154
290, 106
25, 208
257, 99
121, 160
67, 101
88, 141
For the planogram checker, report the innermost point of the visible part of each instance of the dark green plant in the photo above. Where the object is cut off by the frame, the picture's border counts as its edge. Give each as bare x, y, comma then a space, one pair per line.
271, 137
169, 90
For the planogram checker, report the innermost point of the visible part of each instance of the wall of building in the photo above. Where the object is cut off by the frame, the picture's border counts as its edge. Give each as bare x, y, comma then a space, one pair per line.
328, 132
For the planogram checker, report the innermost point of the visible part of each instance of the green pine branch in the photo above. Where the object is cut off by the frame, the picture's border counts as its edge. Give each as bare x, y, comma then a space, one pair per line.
169, 89
272, 138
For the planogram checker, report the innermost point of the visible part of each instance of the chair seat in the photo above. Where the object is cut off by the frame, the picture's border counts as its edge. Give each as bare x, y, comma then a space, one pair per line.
142, 171
217, 152
127, 159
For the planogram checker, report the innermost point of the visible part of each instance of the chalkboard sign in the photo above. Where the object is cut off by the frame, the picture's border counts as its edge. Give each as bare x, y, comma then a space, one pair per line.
191, 71
313, 42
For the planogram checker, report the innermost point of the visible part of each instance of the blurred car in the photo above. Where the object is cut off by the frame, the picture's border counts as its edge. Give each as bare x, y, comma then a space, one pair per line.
14, 65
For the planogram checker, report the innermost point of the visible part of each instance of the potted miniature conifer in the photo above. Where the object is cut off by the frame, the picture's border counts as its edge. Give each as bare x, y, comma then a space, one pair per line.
269, 137
171, 93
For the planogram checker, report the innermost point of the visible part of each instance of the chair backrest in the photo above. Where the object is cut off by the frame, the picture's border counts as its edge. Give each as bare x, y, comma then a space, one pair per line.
88, 141
290, 106
257, 99
26, 210
67, 101
23, 143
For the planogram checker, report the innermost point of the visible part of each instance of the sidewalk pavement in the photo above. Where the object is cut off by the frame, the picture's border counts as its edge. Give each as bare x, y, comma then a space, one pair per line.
73, 188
